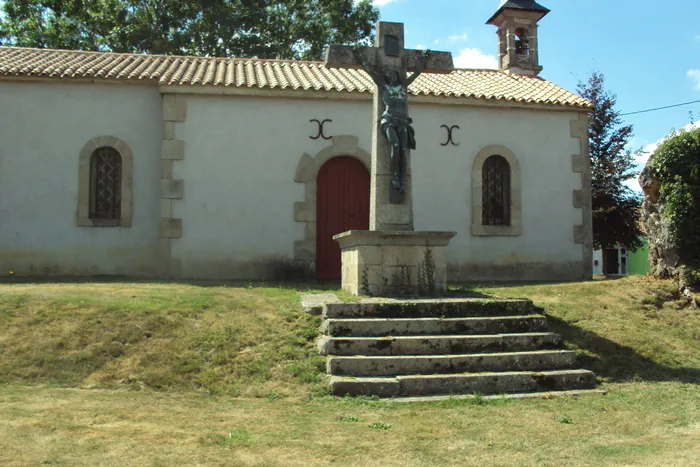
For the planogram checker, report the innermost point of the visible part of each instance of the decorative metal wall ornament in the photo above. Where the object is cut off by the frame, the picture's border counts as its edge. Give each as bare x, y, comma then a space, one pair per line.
449, 129
321, 124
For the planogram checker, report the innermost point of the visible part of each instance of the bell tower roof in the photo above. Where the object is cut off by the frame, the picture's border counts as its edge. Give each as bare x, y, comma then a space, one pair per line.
527, 5
518, 43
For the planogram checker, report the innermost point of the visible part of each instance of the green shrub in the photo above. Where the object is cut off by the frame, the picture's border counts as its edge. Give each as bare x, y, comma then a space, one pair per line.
677, 164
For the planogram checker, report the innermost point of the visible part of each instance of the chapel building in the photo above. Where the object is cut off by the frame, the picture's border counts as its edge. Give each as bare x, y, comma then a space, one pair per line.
232, 168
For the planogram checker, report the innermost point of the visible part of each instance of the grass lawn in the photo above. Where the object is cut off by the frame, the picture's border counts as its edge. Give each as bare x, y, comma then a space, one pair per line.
138, 373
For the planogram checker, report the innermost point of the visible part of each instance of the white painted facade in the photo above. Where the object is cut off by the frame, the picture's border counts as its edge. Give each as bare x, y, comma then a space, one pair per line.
542, 143
43, 128
240, 158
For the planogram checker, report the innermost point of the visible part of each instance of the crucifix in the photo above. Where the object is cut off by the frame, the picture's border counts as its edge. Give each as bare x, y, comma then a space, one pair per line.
393, 137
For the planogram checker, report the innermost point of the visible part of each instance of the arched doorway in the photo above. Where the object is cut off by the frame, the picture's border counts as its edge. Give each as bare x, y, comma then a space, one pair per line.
342, 204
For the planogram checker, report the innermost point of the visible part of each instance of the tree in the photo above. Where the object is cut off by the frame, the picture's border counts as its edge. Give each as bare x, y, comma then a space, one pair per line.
282, 29
615, 206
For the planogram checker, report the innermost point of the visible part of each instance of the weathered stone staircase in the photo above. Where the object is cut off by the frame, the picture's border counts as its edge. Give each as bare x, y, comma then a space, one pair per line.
400, 348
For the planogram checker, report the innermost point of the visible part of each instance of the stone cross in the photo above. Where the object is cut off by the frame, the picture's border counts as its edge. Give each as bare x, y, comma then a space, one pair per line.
391, 204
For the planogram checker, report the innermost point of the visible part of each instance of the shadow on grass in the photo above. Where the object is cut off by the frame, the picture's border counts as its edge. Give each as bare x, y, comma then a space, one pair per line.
615, 362
454, 288
515, 284
457, 291
287, 285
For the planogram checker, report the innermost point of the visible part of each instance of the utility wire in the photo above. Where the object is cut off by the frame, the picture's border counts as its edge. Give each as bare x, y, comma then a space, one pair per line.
659, 108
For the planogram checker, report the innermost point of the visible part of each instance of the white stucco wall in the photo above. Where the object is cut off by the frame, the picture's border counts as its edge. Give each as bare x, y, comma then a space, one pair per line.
242, 153
43, 128
241, 157
542, 143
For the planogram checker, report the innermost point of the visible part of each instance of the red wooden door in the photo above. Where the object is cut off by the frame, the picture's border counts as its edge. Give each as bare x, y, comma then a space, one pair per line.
342, 204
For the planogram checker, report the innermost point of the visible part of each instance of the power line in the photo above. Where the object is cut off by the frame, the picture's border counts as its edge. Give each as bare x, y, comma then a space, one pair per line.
659, 108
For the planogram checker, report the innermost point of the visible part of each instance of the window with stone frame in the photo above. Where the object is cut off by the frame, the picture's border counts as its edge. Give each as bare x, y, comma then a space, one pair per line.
105, 184
496, 191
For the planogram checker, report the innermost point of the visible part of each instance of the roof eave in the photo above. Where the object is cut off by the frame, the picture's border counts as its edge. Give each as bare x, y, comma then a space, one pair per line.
367, 95
542, 13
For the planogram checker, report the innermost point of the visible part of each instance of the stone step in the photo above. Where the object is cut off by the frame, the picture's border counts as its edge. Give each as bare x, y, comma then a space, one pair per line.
428, 308
437, 345
514, 382
441, 364
380, 327
495, 397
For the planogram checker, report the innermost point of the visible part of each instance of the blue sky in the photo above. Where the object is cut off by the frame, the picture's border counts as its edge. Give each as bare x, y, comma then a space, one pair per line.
648, 50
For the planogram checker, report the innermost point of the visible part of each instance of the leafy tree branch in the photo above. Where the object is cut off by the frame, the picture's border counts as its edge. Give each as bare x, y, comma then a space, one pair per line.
281, 29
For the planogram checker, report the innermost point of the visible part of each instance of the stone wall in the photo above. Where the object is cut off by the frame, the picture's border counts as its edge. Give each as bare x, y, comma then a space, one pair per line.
663, 256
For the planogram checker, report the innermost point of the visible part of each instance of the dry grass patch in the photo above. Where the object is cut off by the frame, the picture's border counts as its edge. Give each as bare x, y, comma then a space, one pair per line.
637, 424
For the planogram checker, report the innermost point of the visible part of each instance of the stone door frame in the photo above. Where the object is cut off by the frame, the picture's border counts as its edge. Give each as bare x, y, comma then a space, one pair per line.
307, 173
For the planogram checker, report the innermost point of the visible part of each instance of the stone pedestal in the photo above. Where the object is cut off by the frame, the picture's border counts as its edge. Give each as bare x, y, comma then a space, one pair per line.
394, 263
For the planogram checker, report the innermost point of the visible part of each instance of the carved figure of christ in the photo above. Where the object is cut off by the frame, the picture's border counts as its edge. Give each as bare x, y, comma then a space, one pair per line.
392, 87
388, 64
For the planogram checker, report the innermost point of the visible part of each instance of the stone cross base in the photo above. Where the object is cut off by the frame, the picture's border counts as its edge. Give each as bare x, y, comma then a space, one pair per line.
394, 263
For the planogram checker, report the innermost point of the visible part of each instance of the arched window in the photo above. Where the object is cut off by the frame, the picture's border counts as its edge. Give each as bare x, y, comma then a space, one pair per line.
496, 191
105, 184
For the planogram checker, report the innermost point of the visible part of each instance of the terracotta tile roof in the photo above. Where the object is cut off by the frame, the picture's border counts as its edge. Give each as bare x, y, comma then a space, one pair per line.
271, 74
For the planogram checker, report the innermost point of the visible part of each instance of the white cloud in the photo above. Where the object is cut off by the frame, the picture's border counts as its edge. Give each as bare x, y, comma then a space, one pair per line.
642, 158
475, 58
633, 184
458, 38
421, 47
695, 76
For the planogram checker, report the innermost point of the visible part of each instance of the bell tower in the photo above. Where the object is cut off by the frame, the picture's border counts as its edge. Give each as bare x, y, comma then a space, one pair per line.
516, 21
